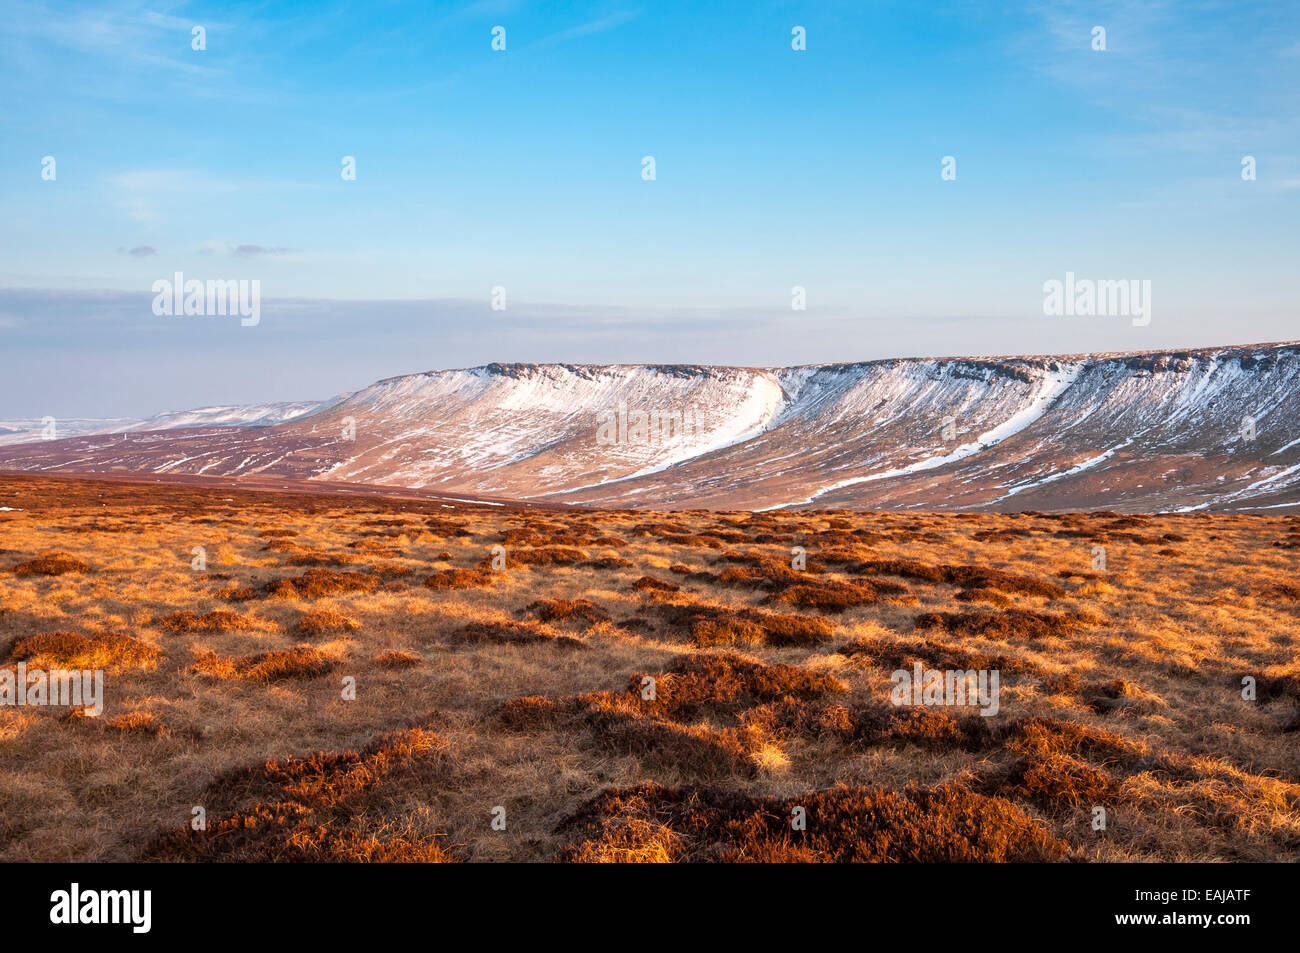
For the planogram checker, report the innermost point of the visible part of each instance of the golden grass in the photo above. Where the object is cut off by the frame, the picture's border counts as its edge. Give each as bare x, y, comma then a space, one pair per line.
528, 688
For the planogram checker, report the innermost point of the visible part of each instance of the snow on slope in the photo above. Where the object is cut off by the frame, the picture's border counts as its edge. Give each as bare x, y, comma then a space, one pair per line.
1159, 430
1053, 382
238, 415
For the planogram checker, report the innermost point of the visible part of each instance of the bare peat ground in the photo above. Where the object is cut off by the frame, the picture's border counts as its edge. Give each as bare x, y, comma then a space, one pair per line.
524, 688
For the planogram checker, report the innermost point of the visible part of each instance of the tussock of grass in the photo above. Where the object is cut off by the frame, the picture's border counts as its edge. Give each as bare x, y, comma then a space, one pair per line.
568, 610
397, 659
460, 579
70, 650
649, 583
989, 596
608, 562
136, 723
318, 622
51, 564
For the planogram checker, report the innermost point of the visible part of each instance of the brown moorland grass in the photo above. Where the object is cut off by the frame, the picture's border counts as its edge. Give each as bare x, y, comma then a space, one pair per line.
1132, 699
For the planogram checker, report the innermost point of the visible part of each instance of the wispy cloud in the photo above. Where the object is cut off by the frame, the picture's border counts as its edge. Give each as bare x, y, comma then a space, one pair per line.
600, 25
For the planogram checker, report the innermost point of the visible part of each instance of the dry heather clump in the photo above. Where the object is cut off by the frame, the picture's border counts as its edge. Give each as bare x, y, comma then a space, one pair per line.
238, 593
723, 683
512, 633
321, 582
756, 571
948, 824
445, 527
460, 579
218, 620
1270, 688
568, 610
397, 659
284, 546
326, 807
970, 577
375, 547
873, 724
1282, 592
1046, 737
318, 622
300, 661
1053, 782
543, 556
70, 650
662, 728
649, 583
694, 575
990, 596
936, 655
51, 564
716, 626
828, 596
319, 559
1008, 624
608, 562
1105, 697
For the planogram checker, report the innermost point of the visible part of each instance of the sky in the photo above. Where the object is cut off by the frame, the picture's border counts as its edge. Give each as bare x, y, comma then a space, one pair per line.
522, 169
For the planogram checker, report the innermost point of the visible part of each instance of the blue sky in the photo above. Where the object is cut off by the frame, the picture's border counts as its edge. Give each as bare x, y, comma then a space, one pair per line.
522, 168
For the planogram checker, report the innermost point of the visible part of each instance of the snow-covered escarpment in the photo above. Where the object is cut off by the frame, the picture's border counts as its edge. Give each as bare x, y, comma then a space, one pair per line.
1205, 429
